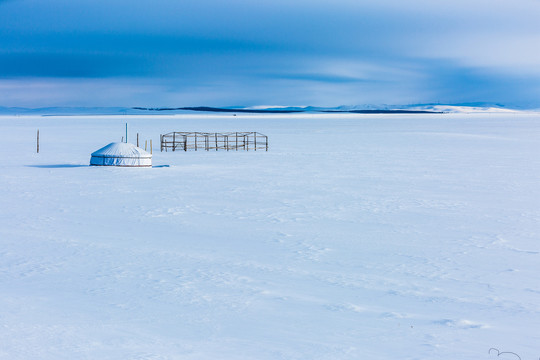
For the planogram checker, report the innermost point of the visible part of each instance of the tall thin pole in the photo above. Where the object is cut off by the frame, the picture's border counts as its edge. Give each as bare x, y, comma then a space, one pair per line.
126, 133
38, 141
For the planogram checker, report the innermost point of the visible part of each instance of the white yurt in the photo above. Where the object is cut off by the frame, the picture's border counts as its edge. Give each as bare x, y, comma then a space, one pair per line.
121, 154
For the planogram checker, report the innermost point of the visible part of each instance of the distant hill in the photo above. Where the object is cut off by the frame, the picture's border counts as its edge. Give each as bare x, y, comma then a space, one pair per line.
215, 109
355, 109
285, 110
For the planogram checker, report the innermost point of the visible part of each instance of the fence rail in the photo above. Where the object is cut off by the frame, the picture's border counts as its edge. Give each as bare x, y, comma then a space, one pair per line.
230, 141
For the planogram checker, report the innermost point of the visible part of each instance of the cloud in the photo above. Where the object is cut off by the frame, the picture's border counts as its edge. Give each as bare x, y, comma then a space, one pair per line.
43, 92
508, 53
346, 51
69, 65
430, 82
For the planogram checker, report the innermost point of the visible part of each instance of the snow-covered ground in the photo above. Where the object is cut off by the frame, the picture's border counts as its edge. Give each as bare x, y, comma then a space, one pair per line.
354, 237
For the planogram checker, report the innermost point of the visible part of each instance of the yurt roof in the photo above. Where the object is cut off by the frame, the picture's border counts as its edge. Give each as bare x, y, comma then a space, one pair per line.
121, 150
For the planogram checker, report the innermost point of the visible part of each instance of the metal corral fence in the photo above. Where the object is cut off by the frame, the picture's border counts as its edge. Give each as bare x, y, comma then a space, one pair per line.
184, 141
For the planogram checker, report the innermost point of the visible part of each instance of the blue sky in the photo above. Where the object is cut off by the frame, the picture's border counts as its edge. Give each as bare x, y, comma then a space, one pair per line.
239, 52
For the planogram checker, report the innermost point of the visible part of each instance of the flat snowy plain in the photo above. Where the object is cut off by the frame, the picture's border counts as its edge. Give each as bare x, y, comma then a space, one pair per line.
353, 237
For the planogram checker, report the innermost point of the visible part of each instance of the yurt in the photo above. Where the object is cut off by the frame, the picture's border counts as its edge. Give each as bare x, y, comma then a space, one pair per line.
121, 154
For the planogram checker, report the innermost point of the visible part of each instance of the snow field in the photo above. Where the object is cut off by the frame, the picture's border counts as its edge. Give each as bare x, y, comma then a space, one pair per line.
355, 236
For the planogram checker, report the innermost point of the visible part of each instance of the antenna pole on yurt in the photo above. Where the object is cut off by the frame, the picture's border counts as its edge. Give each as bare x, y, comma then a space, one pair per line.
126, 133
